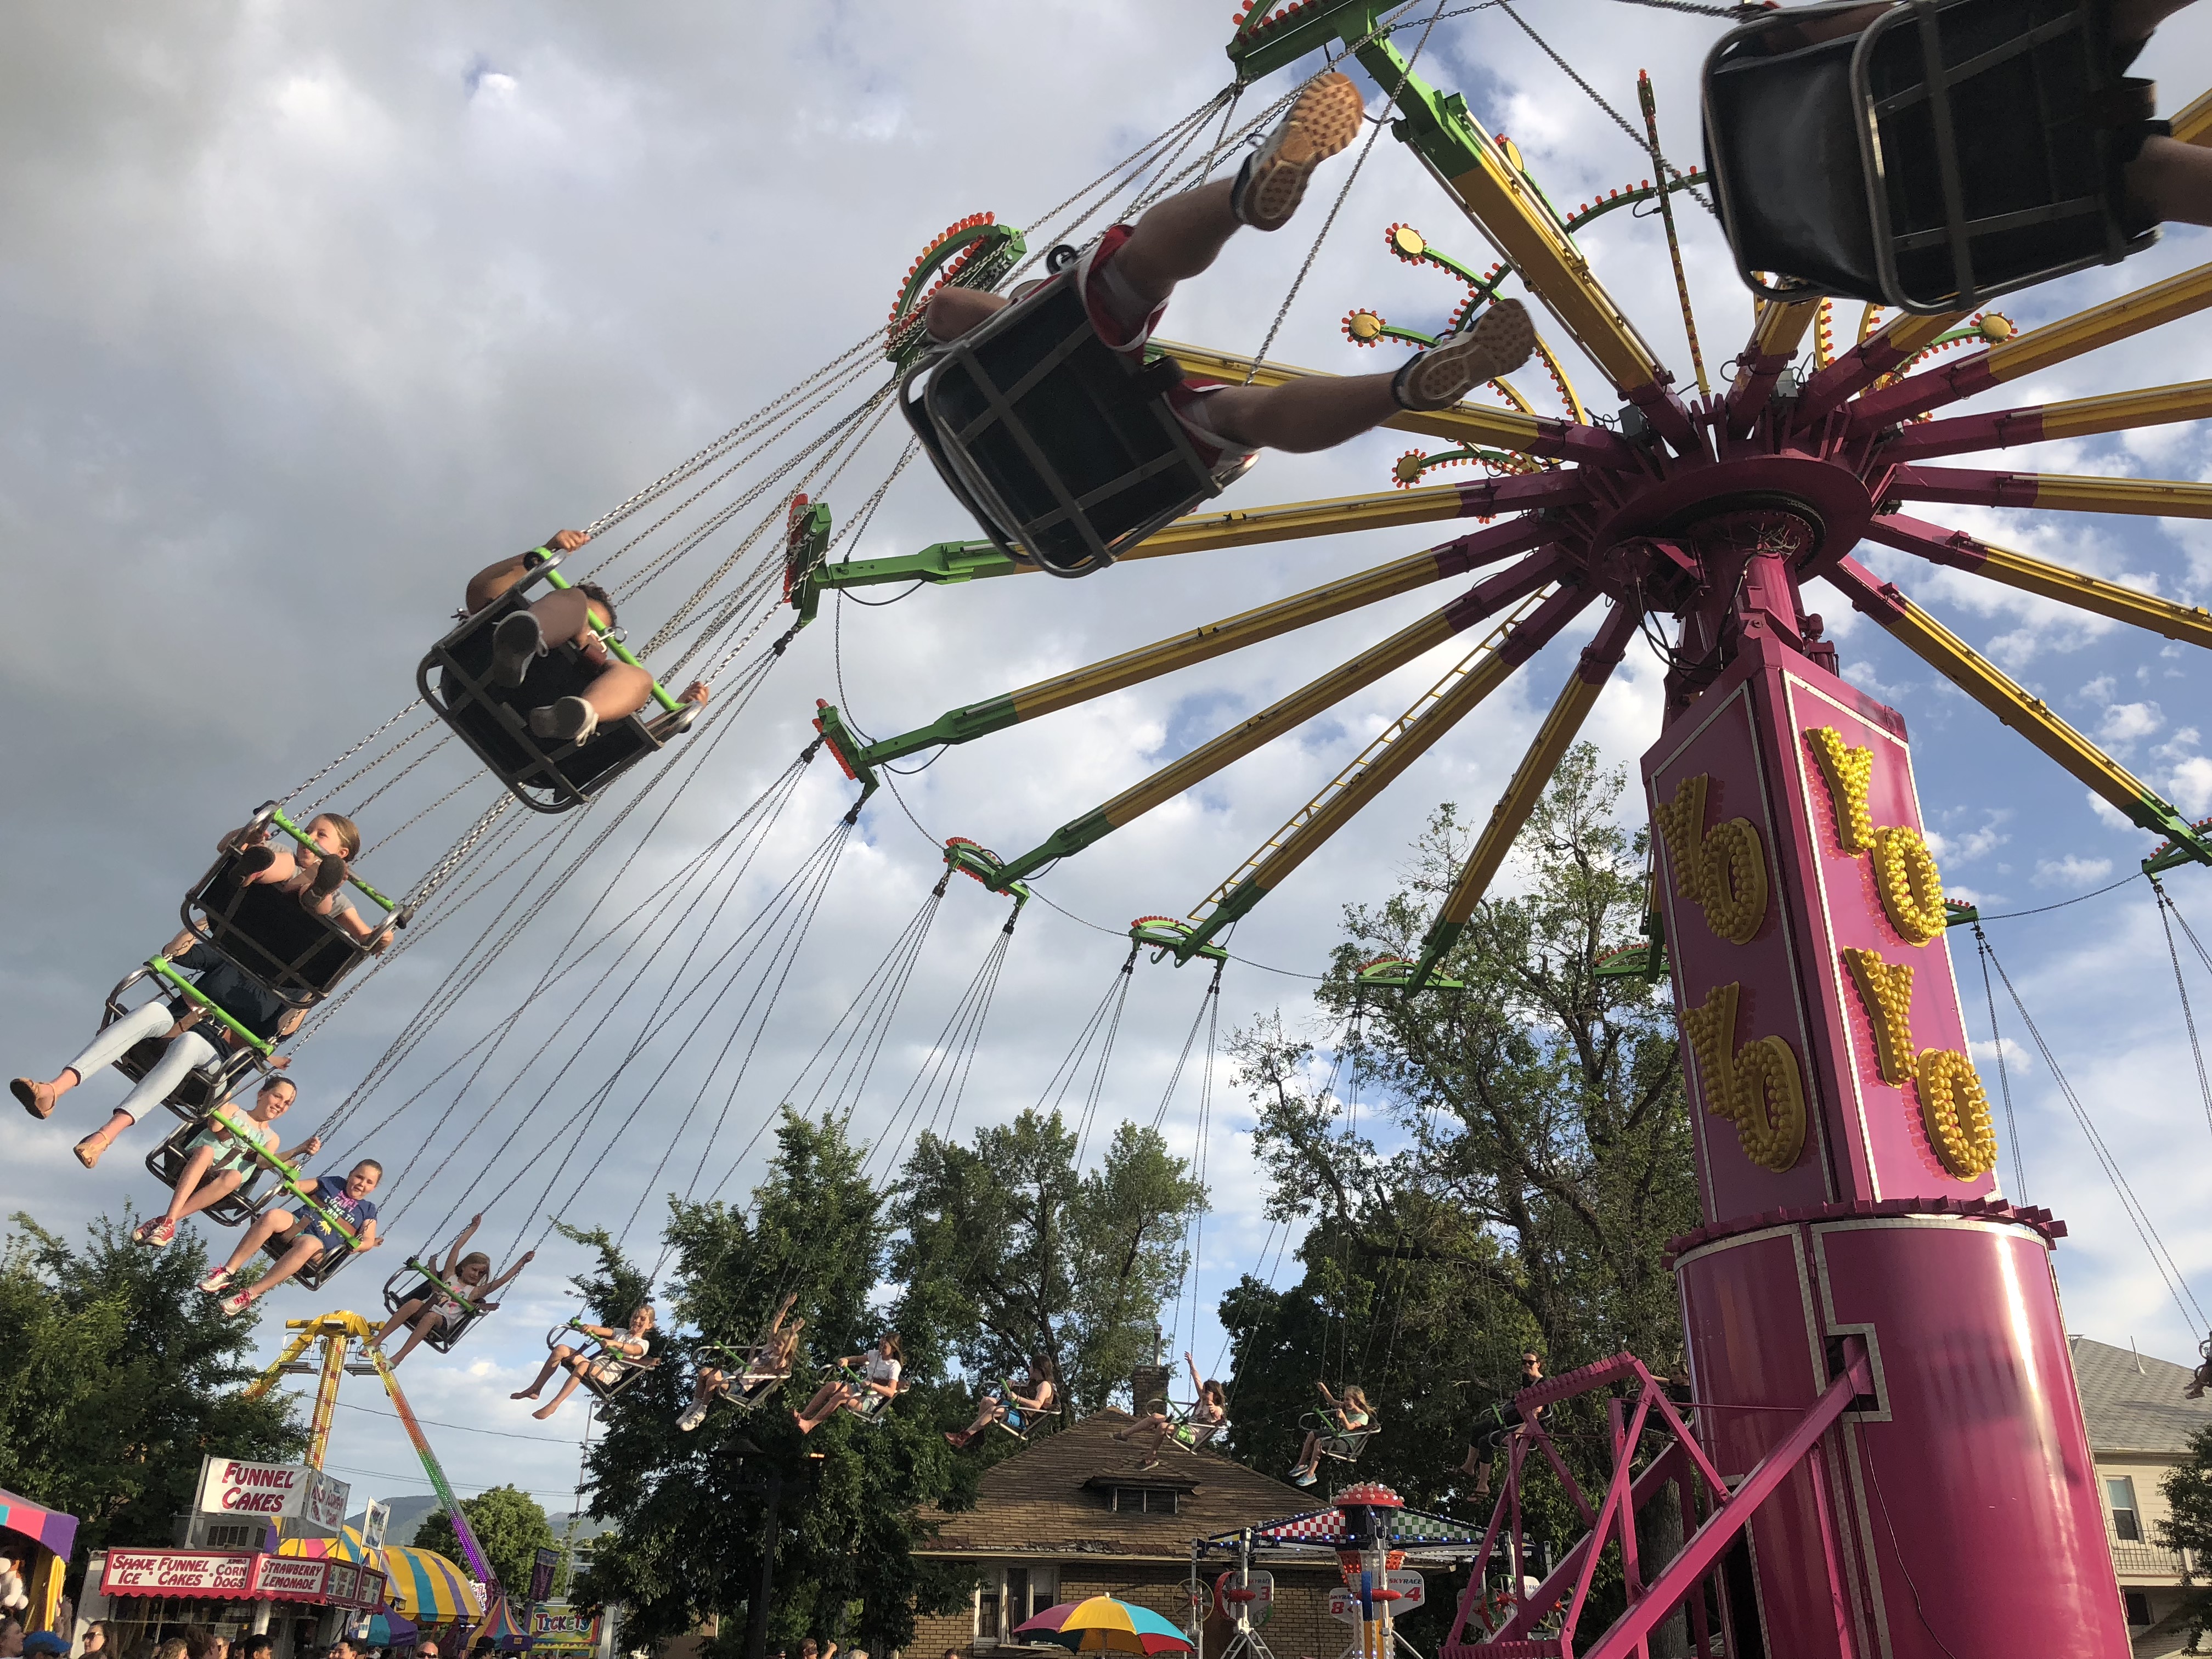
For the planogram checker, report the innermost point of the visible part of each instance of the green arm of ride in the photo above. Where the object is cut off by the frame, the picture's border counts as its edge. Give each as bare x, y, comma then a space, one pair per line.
163, 971
277, 816
616, 648
939, 563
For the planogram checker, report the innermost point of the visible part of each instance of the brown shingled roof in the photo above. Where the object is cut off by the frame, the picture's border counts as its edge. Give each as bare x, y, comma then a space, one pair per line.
1046, 1500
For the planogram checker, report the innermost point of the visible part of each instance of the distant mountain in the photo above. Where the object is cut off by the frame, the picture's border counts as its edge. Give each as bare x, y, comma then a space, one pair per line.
407, 1514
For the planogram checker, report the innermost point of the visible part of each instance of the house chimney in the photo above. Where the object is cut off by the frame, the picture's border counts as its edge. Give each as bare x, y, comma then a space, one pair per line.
1148, 1388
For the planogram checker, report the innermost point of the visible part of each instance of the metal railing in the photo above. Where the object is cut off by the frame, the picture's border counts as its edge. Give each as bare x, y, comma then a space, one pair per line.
2147, 1561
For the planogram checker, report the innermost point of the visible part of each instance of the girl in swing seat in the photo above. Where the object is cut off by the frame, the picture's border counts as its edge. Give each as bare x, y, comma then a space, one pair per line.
871, 1392
619, 1353
998, 1406
220, 1158
771, 1358
1207, 1418
317, 875
429, 1309
1350, 1415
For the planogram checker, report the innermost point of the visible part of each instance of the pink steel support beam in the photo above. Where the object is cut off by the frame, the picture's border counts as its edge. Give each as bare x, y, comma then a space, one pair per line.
1482, 498
1703, 1553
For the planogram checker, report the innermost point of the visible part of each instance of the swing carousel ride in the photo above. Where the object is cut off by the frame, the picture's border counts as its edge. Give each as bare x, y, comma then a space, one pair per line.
1868, 1316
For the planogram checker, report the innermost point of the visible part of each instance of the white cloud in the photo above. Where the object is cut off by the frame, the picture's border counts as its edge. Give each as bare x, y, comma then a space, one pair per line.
2124, 722
2072, 871
2108, 814
2189, 784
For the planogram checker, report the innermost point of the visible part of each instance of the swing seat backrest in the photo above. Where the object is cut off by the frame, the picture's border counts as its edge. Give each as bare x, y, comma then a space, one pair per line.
166, 1164
1950, 151
202, 1087
295, 953
544, 774
1064, 449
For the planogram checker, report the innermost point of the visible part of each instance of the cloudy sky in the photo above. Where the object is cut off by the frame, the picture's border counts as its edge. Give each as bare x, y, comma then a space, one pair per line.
306, 312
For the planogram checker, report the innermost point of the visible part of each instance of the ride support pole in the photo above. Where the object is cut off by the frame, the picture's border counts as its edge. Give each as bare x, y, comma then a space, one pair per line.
1846, 1166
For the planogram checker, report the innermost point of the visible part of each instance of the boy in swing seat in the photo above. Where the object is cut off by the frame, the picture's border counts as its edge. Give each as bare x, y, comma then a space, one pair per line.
1128, 274
564, 615
345, 1220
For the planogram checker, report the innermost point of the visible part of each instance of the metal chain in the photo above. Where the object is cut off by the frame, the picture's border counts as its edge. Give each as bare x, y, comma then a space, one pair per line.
469, 782
306, 784
1337, 206
1659, 161
446, 866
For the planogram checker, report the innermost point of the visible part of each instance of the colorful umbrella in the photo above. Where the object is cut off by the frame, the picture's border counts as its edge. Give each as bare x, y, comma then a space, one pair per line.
1101, 1624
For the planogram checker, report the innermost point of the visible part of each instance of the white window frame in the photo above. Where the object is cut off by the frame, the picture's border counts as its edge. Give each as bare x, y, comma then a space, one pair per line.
2131, 1508
1040, 1575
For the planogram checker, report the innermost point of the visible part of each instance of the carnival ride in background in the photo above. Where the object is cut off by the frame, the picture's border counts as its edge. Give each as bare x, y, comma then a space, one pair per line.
1860, 1303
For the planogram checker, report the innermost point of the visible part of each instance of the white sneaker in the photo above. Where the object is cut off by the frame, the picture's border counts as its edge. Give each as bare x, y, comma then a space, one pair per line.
1322, 120
694, 1417
214, 1284
1500, 341
572, 719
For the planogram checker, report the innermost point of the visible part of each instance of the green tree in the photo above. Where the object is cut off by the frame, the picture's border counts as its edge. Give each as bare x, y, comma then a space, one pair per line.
1006, 1251
116, 1378
1525, 1156
849, 1502
510, 1526
2188, 1526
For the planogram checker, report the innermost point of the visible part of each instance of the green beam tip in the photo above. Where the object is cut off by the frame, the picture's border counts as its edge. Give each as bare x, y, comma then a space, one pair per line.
1172, 936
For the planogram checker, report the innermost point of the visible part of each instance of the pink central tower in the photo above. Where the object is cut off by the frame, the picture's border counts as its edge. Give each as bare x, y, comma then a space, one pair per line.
1846, 1164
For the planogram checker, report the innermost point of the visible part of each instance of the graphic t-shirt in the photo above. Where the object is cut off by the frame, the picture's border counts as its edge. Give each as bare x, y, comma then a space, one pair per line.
330, 1192
229, 1153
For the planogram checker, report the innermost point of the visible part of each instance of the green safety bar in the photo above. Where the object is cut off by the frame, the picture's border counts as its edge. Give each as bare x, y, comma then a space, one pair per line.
160, 968
433, 1275
616, 648
277, 816
289, 1176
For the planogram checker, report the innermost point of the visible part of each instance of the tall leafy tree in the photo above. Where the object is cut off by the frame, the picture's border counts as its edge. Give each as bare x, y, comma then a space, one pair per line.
828, 1525
117, 1377
1523, 1158
508, 1523
1007, 1251
2188, 1526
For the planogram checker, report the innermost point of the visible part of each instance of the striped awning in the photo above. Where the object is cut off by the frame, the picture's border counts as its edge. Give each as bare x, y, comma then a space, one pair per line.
422, 1583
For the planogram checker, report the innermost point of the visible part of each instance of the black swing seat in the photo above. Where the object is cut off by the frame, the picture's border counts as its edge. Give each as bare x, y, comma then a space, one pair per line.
316, 1274
401, 1287
603, 1389
1950, 152
288, 949
544, 774
1064, 449
166, 1164
203, 1087
1341, 1443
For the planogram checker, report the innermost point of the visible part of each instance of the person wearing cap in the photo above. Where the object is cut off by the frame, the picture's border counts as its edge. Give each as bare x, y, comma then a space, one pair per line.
44, 1644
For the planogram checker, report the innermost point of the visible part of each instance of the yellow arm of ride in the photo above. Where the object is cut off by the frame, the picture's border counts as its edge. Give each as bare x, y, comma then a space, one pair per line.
1404, 741
1296, 520
1463, 424
2194, 125
2101, 326
1584, 685
1989, 686
2191, 624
